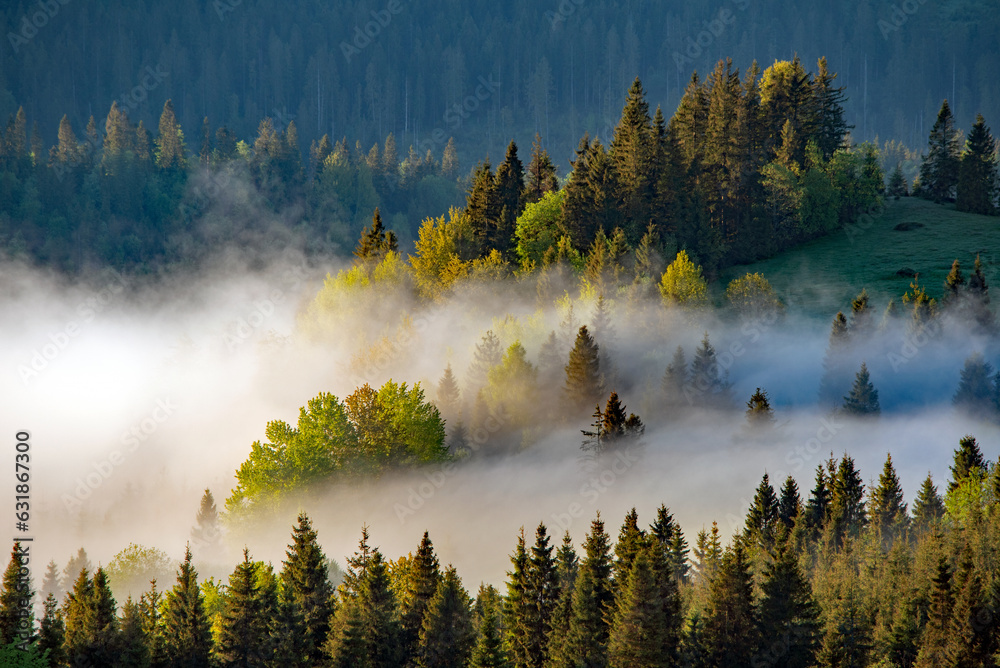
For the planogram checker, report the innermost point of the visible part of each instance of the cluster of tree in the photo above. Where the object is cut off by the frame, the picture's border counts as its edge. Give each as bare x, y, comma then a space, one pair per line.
744, 168
341, 68
969, 178
123, 197
850, 576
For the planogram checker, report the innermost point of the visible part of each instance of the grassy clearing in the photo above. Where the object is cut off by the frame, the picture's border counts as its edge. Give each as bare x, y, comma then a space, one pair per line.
821, 277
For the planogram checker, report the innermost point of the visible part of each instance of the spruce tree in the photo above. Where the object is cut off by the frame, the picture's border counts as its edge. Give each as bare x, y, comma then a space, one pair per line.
709, 381
541, 593
968, 461
763, 516
305, 576
149, 605
375, 241
789, 503
449, 160
939, 171
731, 626
170, 140
975, 395
289, 645
487, 355
847, 509
789, 617
446, 635
16, 594
979, 301
92, 634
186, 629
631, 540
818, 506
886, 507
639, 626
632, 151
509, 185
541, 174
518, 606
422, 583
567, 568
708, 554
675, 379
759, 412
207, 531
897, 184
134, 646
668, 536
827, 103
977, 187
934, 645
482, 208
863, 398
448, 393
593, 601
584, 384
972, 634
379, 615
928, 507
52, 633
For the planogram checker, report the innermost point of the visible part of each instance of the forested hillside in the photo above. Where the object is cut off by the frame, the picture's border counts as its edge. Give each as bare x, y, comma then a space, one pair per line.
558, 68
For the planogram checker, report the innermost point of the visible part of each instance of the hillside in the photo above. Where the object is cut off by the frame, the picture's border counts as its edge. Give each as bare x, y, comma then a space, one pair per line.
822, 276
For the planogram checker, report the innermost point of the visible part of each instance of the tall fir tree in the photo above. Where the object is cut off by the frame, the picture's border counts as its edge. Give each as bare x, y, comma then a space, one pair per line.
509, 202
886, 507
584, 383
928, 506
206, 535
939, 170
52, 633
763, 516
186, 628
16, 595
862, 401
789, 503
489, 649
376, 241
422, 583
732, 625
170, 150
446, 635
789, 616
976, 391
541, 173
639, 626
968, 461
977, 187
305, 576
934, 644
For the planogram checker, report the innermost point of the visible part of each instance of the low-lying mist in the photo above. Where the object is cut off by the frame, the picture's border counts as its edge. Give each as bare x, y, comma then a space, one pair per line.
139, 396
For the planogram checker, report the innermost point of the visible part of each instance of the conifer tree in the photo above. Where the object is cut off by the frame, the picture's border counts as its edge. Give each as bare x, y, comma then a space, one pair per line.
92, 633
847, 509
928, 507
509, 204
863, 398
422, 582
584, 384
205, 154
207, 531
897, 184
482, 208
489, 648
975, 395
934, 644
446, 635
675, 379
52, 633
567, 568
759, 412
16, 594
789, 617
977, 186
487, 355
818, 506
731, 626
827, 105
379, 615
968, 461
886, 507
639, 627
448, 393
541, 593
939, 171
631, 540
579, 200
288, 643
632, 151
708, 553
149, 605
979, 301
449, 160
134, 646
789, 503
375, 241
835, 371
763, 516
953, 285
670, 539
170, 140
186, 632
541, 174
972, 634
518, 606
709, 381
593, 601
304, 575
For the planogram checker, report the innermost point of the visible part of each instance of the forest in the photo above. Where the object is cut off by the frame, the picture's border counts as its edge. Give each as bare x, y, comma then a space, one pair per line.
445, 289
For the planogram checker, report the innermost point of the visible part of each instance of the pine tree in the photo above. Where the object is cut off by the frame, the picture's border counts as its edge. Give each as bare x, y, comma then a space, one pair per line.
541, 174
789, 617
67, 149
446, 635
92, 636
708, 379
567, 569
631, 540
134, 647
933, 648
759, 412
379, 615
207, 532
593, 601
639, 626
422, 583
789, 503
928, 507
449, 160
668, 535
968, 461
979, 301
939, 171
886, 507
509, 204
633, 153
375, 241
305, 576
541, 593
763, 516
487, 355
186, 631
675, 379
16, 594
708, 554
977, 187
52, 633
975, 395
972, 636
847, 509
149, 605
517, 606
827, 106
482, 208
897, 184
953, 285
170, 140
584, 384
863, 398
818, 506
448, 394
731, 626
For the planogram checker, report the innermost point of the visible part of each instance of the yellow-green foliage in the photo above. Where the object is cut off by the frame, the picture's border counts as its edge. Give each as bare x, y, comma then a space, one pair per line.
512, 386
538, 228
682, 283
440, 247
753, 297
